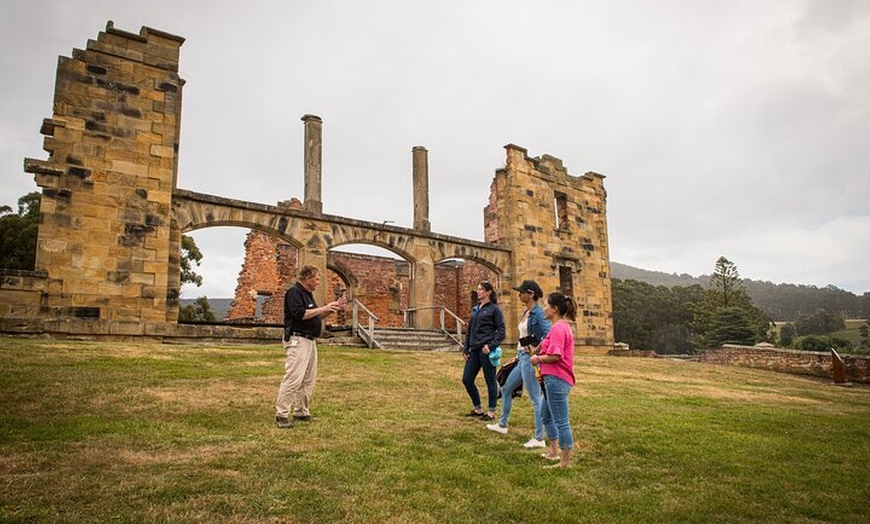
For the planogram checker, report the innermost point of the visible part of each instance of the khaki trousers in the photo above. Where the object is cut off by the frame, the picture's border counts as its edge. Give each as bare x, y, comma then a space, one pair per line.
300, 374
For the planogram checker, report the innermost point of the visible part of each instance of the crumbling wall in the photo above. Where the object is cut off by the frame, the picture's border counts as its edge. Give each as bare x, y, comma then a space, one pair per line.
556, 226
108, 251
380, 283
105, 237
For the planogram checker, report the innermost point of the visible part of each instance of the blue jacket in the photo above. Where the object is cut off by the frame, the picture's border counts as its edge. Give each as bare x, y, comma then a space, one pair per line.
538, 325
486, 327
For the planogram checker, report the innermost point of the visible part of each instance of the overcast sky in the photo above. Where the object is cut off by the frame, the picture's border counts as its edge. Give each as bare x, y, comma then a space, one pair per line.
724, 128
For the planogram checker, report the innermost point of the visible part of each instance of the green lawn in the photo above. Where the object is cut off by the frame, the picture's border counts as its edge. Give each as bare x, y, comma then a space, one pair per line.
135, 432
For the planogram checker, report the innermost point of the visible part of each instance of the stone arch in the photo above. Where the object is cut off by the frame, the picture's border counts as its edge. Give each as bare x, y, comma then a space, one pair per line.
117, 273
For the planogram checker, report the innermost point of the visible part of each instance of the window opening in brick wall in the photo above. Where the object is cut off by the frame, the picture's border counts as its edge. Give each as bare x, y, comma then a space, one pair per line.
258, 309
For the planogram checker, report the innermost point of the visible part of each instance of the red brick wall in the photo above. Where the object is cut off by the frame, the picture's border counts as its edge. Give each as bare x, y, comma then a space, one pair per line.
382, 283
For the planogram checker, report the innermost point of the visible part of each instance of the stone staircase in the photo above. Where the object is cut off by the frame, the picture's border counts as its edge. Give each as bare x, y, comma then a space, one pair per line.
398, 338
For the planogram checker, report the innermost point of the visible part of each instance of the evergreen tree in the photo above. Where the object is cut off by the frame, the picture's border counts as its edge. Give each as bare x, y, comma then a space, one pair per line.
18, 233
726, 291
730, 325
725, 283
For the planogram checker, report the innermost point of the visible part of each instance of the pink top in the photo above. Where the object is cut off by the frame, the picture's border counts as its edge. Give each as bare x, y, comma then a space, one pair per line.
559, 341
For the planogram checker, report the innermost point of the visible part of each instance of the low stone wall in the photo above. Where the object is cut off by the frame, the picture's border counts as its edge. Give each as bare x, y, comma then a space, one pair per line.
626, 352
814, 363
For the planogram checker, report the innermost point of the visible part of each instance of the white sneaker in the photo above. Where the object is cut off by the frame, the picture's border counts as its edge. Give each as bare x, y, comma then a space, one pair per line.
497, 428
535, 443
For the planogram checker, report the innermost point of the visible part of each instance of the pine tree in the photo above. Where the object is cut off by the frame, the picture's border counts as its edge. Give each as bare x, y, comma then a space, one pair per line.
727, 291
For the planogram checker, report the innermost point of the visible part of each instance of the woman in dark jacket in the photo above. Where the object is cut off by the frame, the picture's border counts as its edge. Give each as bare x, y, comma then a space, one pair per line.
485, 332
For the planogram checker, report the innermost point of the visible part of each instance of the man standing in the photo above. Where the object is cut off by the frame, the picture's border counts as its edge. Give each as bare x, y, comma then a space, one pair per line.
302, 325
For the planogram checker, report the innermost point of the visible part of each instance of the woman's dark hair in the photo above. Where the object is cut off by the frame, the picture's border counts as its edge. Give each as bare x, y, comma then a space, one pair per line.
487, 286
565, 305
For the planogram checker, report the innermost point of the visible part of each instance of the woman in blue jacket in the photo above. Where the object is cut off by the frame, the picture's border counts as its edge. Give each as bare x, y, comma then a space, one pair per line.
485, 332
532, 330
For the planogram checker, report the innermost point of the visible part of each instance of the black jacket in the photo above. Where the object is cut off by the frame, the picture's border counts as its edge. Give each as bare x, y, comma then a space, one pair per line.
296, 301
486, 327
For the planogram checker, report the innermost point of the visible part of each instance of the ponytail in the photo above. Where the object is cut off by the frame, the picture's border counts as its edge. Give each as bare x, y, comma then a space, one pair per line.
565, 305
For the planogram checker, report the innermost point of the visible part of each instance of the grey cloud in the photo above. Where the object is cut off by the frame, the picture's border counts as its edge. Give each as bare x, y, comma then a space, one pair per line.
724, 128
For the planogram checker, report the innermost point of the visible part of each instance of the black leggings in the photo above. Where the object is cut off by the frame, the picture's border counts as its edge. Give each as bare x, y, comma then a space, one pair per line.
477, 360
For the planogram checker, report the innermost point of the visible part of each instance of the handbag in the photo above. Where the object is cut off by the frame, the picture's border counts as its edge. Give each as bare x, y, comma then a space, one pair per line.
502, 375
505, 371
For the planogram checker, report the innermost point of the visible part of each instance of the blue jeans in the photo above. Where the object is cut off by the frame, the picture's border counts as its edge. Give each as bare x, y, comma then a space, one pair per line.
477, 360
554, 412
523, 373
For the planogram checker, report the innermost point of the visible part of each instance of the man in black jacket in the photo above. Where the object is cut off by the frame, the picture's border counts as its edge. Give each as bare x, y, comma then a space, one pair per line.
303, 322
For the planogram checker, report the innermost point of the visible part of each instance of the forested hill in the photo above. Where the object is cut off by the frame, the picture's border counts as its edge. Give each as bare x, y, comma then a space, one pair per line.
781, 301
656, 278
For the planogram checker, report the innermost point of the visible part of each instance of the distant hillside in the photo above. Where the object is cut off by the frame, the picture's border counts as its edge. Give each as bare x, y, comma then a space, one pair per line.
783, 302
656, 278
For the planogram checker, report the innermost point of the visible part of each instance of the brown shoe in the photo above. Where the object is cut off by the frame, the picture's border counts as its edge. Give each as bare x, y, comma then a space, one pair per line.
283, 423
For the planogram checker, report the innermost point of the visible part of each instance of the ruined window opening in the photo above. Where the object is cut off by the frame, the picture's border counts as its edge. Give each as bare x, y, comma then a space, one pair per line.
566, 281
561, 210
258, 308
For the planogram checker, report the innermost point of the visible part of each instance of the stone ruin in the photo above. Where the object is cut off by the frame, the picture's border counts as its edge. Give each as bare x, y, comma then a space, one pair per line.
112, 216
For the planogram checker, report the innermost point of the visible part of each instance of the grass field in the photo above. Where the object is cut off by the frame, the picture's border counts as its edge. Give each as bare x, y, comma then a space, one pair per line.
134, 432
852, 333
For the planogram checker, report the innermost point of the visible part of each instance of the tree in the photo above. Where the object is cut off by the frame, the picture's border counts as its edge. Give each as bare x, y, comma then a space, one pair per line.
786, 334
198, 311
819, 323
730, 325
18, 233
726, 291
821, 343
653, 317
725, 282
190, 255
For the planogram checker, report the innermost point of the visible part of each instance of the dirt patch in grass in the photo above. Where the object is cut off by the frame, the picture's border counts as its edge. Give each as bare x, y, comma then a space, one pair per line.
192, 455
200, 395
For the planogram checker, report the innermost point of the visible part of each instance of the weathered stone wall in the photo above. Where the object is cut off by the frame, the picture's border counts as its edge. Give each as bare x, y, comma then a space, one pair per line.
817, 364
556, 226
104, 236
23, 293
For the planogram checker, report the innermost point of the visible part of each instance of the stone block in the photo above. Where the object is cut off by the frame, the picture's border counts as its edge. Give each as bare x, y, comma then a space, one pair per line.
163, 151
129, 168
126, 328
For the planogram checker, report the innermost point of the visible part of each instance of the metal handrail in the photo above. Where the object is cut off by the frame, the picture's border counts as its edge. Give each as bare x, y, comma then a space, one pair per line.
406, 313
368, 335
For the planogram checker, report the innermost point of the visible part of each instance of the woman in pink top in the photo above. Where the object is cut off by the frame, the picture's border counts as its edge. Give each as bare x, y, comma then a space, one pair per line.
556, 358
